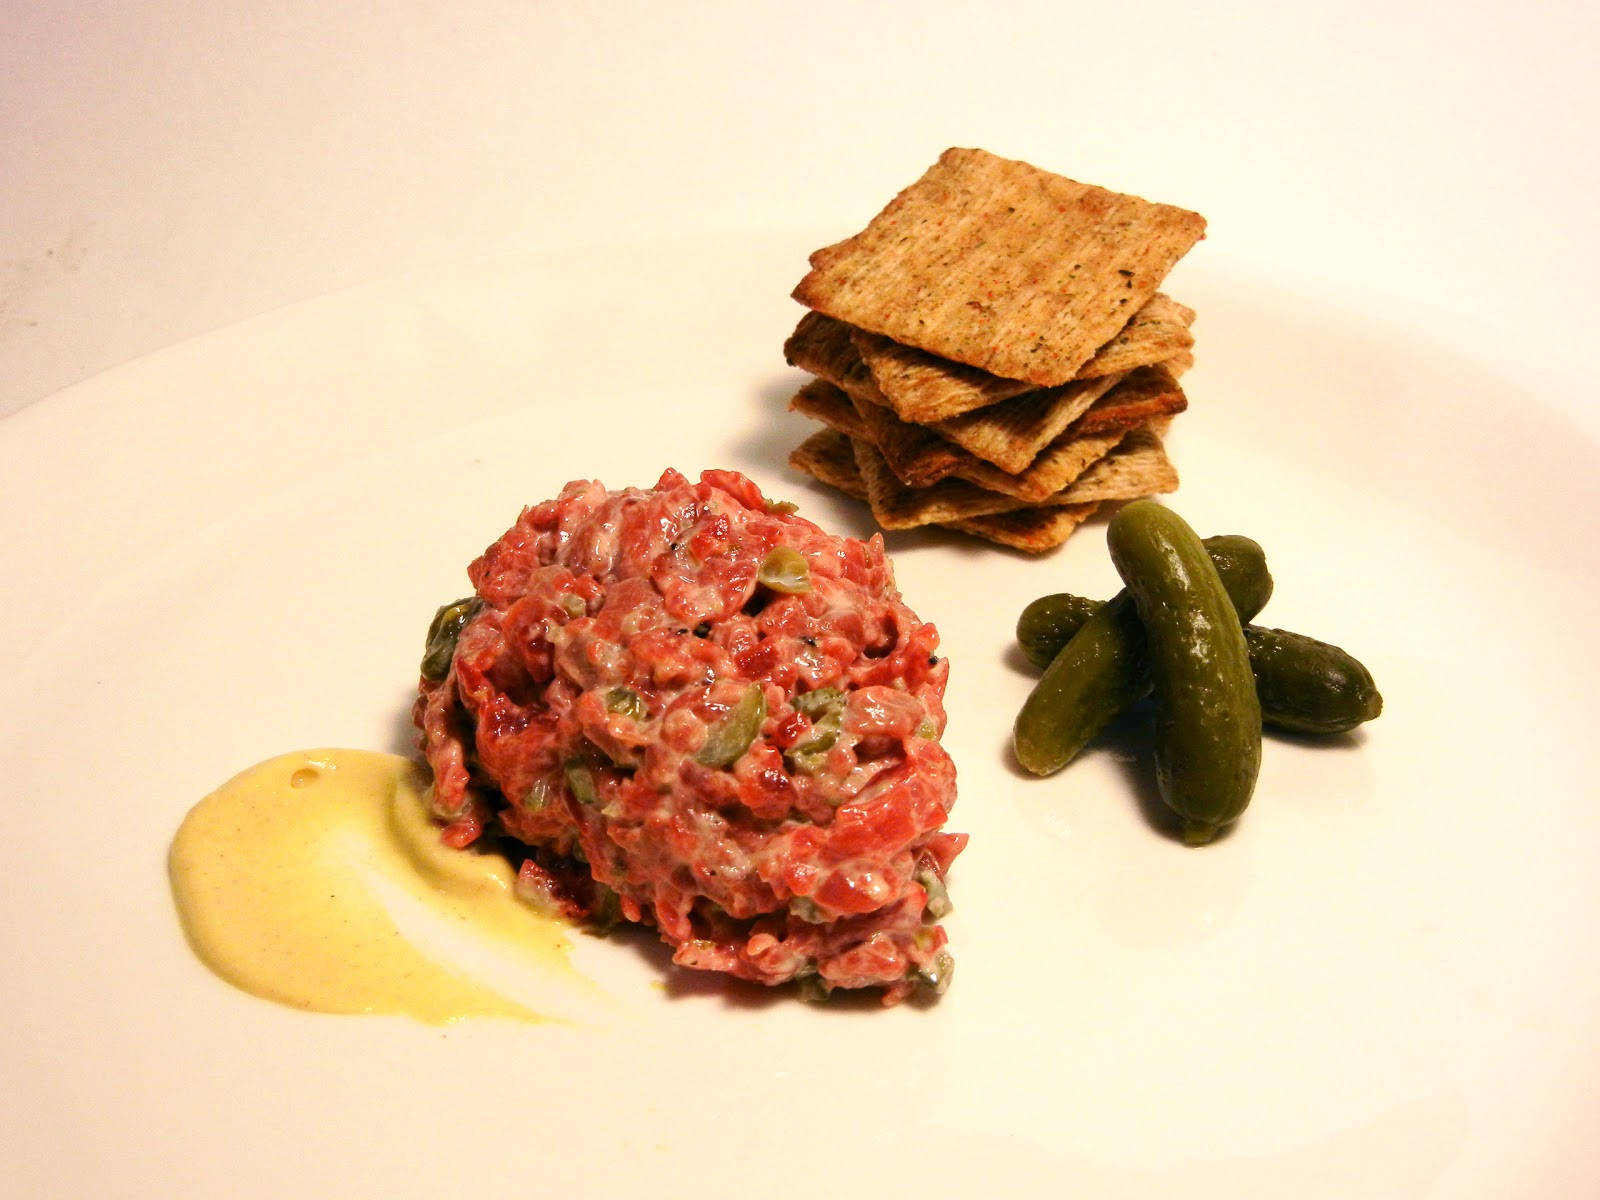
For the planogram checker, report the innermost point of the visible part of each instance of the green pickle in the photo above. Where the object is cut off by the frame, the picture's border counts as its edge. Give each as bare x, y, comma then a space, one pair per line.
1100, 666
1050, 622
1208, 719
1304, 686
1307, 686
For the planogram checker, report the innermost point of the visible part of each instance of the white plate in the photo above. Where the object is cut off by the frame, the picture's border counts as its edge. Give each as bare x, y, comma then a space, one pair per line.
1383, 983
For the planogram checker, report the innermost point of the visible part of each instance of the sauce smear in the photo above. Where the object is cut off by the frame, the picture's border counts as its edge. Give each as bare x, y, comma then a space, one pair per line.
289, 877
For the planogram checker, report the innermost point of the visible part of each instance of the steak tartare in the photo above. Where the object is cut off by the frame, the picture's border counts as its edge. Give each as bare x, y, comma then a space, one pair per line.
688, 707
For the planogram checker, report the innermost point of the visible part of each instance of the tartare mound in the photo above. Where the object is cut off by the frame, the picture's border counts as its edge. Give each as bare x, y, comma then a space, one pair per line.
696, 710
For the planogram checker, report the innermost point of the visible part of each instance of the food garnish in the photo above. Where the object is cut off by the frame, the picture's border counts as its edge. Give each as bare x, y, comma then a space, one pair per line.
1171, 631
1208, 720
1095, 658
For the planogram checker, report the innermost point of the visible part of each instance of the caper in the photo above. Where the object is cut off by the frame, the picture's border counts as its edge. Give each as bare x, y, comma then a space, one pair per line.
627, 702
814, 704
785, 570
443, 633
581, 780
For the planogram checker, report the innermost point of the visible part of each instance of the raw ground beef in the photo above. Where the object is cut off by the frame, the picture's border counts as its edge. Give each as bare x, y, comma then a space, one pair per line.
688, 707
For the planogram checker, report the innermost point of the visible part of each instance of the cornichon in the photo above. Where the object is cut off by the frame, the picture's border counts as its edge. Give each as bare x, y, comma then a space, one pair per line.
1103, 668
1307, 686
1304, 686
1050, 622
1208, 720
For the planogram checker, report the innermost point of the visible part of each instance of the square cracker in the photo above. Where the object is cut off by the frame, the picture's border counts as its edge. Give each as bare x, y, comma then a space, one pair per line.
1010, 434
823, 347
921, 458
822, 401
999, 265
896, 506
1013, 433
827, 456
1032, 529
923, 388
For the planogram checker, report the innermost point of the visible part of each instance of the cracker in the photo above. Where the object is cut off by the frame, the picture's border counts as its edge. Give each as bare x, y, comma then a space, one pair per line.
1158, 332
920, 458
999, 265
1138, 467
823, 347
923, 388
828, 458
822, 401
1010, 435
1033, 529
896, 506
1144, 395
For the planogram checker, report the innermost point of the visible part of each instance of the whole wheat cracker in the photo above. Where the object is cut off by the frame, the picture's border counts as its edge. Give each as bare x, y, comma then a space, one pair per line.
823, 347
923, 388
1010, 434
1090, 437
1138, 467
1000, 265
1158, 332
822, 401
896, 506
1034, 530
920, 458
828, 458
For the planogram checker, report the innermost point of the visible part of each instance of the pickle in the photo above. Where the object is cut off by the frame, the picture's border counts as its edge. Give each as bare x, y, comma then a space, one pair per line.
1050, 622
1304, 686
1208, 720
1103, 668
1307, 686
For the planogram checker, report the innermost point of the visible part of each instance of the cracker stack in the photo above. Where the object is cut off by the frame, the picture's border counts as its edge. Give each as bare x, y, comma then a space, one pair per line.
991, 352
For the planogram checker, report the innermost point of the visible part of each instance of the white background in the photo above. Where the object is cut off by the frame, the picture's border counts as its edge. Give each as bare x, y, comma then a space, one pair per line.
170, 166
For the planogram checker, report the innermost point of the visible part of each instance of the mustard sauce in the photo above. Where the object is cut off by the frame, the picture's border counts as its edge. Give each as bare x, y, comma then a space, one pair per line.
316, 879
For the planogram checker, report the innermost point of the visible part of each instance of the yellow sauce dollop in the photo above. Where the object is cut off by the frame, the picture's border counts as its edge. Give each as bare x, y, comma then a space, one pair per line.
312, 878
